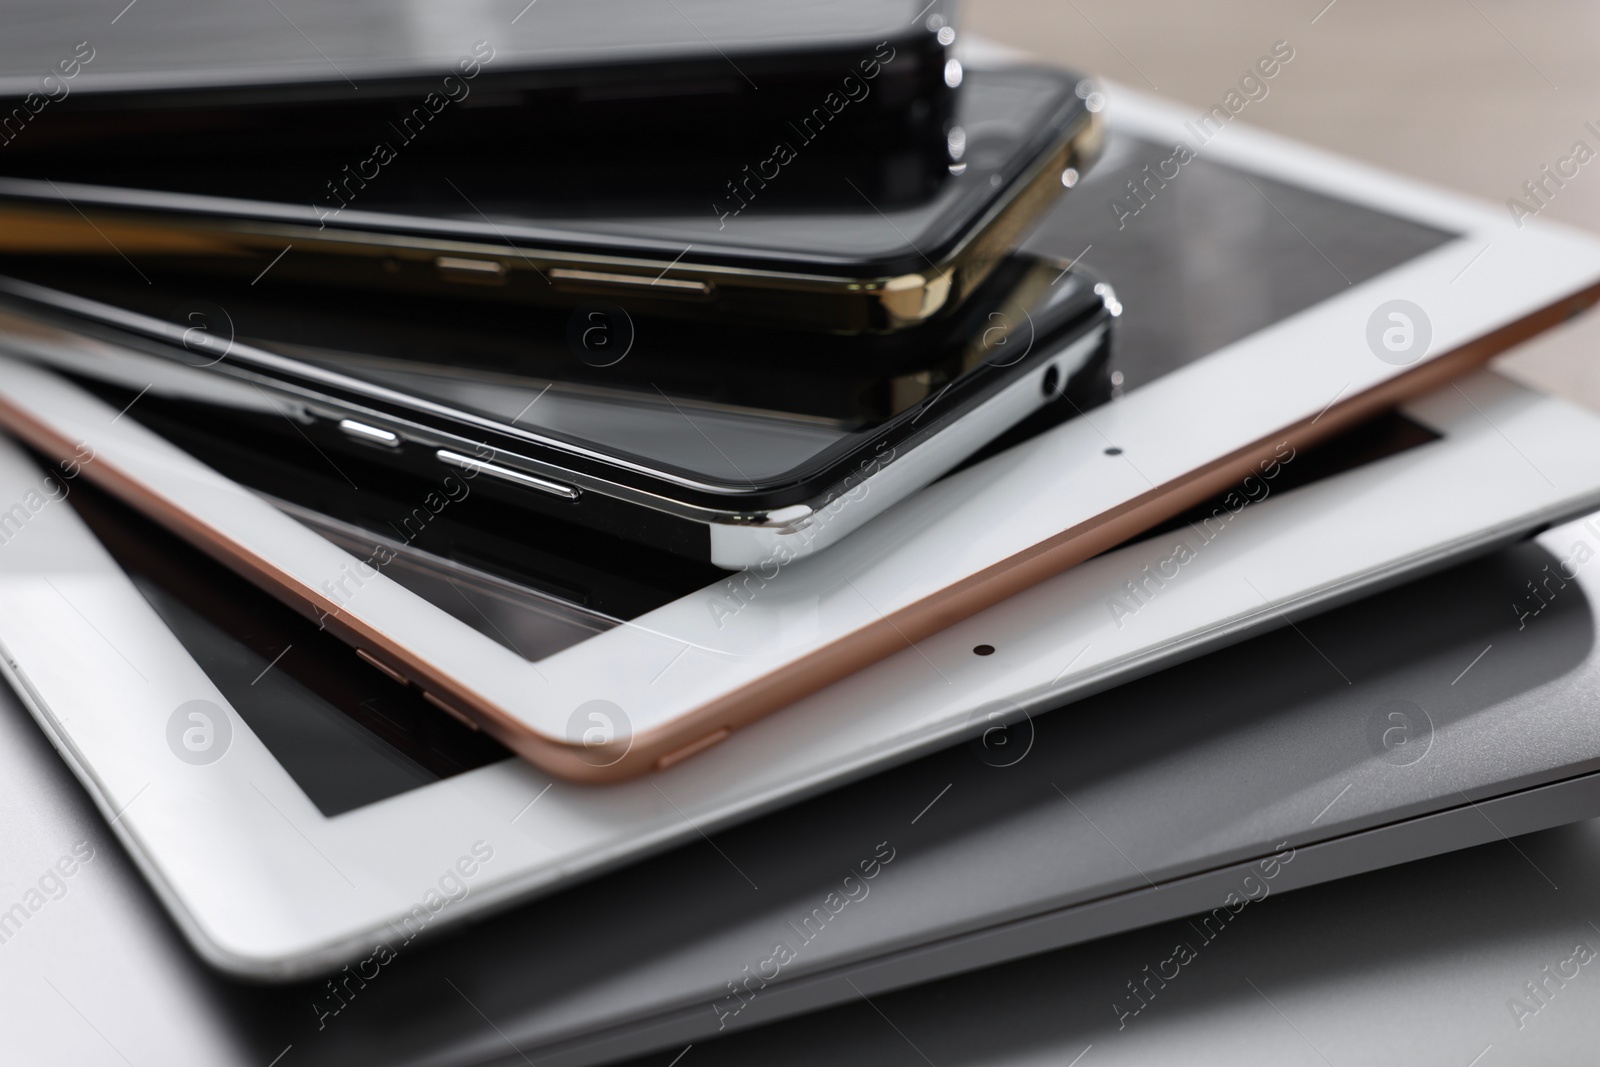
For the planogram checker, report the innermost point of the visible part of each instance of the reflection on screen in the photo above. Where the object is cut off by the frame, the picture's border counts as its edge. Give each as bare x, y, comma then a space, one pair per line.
347, 734
1214, 254
997, 113
721, 444
531, 623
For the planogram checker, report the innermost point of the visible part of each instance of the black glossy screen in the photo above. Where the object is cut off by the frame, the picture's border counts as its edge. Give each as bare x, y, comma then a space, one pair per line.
347, 734
1214, 254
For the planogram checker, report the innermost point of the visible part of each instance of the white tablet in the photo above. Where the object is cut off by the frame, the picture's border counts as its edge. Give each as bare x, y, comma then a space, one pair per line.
294, 818
1308, 292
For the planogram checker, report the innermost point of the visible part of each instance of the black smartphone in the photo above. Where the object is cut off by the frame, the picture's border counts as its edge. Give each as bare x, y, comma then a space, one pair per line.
817, 218
619, 79
715, 443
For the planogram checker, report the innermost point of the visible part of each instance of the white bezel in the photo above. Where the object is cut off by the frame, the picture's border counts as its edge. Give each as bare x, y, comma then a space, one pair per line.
264, 885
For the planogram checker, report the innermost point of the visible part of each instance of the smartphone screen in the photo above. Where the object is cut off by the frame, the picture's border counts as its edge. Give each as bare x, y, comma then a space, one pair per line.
742, 408
890, 219
1218, 255
800, 193
173, 45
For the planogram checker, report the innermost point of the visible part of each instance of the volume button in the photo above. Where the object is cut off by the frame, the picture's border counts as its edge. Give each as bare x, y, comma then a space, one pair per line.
451, 710
382, 666
372, 435
506, 474
692, 748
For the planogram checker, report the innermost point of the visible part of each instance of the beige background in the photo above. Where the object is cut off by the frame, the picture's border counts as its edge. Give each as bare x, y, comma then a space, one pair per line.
1476, 95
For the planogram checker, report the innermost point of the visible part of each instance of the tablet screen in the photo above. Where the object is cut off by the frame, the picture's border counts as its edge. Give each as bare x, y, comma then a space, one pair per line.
1214, 254
346, 733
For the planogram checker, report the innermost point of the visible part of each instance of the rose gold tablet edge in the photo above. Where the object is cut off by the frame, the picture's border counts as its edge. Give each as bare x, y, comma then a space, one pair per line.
900, 629
892, 633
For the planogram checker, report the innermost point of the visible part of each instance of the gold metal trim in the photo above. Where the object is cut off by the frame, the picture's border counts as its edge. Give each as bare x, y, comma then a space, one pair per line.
810, 301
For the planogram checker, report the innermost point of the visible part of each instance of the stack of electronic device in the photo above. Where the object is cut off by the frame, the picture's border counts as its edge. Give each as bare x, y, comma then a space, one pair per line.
703, 423
507, 360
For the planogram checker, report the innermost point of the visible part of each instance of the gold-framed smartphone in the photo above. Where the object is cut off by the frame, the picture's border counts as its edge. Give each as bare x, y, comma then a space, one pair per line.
810, 235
